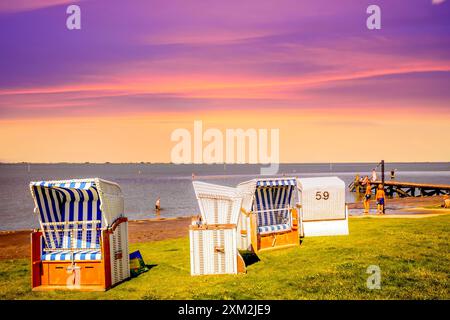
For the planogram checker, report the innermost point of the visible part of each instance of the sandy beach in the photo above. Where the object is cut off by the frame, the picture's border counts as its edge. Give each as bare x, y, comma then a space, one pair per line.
16, 244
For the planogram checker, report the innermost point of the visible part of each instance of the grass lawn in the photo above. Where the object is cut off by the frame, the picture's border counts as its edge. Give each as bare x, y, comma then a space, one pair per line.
413, 255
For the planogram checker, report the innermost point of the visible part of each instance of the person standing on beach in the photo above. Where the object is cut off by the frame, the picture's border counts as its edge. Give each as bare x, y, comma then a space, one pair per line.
367, 195
374, 175
158, 204
380, 196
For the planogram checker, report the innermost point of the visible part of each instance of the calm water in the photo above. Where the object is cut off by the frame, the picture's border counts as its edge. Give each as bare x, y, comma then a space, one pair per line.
143, 183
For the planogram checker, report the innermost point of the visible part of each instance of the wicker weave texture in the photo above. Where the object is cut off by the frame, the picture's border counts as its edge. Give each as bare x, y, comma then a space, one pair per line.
213, 251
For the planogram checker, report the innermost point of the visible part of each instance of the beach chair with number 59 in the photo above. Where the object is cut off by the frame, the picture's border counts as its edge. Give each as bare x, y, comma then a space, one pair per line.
322, 206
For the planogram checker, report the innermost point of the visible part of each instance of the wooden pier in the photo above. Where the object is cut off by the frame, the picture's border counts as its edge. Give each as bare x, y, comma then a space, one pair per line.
406, 189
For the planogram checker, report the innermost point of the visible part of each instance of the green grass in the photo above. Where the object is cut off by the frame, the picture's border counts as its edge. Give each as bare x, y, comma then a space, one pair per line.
413, 255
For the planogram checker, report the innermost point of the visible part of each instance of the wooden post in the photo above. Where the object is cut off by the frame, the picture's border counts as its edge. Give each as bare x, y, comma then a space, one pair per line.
382, 183
36, 263
254, 232
240, 264
106, 259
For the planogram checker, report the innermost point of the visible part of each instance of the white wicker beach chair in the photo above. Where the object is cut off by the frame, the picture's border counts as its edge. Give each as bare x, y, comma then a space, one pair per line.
83, 238
268, 217
322, 206
213, 240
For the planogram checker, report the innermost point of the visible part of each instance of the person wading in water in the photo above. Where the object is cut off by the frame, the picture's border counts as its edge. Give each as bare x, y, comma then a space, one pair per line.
158, 204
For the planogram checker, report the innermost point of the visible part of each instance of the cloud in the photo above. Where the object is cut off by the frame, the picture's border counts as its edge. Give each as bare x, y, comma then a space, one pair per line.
437, 1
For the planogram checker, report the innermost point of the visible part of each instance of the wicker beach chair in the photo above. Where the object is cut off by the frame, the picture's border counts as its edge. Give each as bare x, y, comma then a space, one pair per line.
322, 206
82, 242
213, 236
268, 217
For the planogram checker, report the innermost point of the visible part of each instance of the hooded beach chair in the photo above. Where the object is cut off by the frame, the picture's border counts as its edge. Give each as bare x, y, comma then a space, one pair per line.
322, 206
268, 216
213, 235
83, 238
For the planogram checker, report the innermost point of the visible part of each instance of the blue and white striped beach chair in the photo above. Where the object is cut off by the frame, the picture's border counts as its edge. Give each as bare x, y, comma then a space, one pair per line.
83, 236
268, 217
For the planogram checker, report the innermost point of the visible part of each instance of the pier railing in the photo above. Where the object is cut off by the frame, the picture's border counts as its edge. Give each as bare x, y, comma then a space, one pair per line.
405, 189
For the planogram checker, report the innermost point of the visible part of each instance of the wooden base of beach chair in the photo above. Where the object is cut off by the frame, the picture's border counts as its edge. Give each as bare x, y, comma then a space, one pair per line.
92, 275
85, 288
276, 240
89, 275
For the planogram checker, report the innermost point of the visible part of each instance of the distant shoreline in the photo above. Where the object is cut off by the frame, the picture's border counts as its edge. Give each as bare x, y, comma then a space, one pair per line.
221, 164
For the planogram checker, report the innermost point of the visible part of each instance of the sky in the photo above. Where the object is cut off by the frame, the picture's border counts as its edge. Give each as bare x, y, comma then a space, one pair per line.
138, 70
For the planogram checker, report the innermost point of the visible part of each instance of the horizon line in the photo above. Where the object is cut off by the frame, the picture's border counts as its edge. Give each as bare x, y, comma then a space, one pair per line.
254, 164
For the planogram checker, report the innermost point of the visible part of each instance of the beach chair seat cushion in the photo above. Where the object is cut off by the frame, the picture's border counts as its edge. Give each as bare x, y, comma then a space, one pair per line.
82, 255
274, 228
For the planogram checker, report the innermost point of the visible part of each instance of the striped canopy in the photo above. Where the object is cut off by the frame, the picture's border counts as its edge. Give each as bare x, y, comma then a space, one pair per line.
271, 199
69, 213
276, 182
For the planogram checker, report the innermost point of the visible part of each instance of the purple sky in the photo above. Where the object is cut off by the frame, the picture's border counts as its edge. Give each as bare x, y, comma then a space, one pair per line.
162, 55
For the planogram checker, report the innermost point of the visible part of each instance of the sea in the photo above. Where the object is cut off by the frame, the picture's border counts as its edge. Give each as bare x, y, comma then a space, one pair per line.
143, 183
